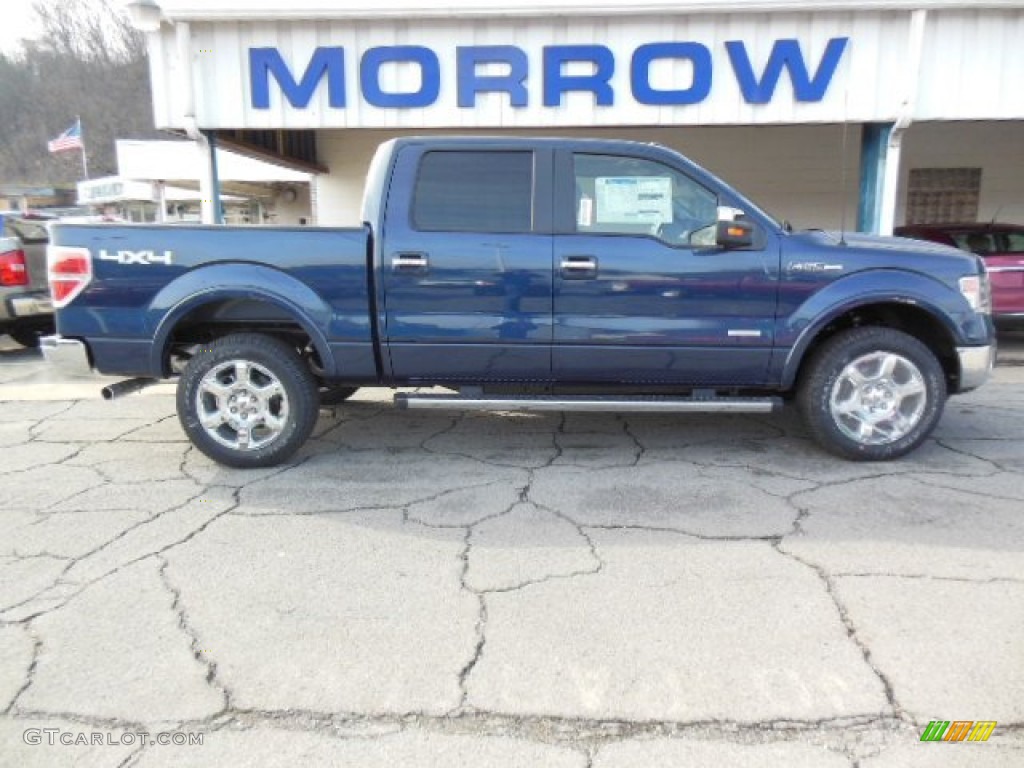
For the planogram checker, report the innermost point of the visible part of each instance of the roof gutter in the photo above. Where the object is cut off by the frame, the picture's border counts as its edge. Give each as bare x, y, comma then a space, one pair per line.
891, 176
148, 16
208, 192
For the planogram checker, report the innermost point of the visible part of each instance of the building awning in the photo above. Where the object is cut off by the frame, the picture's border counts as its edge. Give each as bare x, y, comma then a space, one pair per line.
119, 189
179, 161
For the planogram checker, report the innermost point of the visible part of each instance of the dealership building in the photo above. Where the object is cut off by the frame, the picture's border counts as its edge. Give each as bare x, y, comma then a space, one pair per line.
829, 113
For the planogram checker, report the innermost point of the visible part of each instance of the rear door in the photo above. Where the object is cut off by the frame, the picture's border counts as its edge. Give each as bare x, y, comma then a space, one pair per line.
643, 296
467, 264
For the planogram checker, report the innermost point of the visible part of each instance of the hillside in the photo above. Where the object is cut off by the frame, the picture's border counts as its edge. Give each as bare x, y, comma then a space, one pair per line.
89, 63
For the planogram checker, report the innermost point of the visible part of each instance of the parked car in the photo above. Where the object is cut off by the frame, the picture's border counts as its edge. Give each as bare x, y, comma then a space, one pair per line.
26, 310
1001, 246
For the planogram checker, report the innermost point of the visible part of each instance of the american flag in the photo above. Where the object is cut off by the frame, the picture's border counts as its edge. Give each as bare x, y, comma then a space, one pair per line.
70, 139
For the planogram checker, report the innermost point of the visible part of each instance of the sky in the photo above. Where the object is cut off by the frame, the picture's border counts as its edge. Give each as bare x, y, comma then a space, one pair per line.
16, 22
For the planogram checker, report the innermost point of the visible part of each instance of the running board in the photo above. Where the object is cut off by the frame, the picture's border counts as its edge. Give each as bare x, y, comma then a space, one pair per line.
640, 404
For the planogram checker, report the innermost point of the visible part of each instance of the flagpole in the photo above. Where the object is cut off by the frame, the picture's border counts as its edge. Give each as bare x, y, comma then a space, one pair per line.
85, 161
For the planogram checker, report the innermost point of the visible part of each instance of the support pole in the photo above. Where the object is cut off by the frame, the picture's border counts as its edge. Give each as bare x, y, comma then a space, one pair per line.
206, 180
218, 208
81, 137
873, 150
207, 185
891, 179
161, 201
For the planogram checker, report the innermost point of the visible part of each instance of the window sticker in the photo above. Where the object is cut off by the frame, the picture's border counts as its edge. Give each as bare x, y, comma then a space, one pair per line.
633, 199
585, 215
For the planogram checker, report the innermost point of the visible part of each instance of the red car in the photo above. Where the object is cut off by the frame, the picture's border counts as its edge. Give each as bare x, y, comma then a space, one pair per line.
1002, 248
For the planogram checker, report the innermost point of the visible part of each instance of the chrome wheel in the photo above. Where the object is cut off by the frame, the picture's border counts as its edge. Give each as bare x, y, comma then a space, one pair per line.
878, 398
242, 405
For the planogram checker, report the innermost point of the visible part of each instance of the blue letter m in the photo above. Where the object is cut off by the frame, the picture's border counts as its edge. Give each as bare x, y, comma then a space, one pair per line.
786, 54
264, 62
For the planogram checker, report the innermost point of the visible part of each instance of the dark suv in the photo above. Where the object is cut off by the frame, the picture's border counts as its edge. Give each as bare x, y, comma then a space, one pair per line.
26, 311
1002, 248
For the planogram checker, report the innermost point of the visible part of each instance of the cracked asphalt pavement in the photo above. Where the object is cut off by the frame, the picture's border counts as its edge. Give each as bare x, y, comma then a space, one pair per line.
430, 589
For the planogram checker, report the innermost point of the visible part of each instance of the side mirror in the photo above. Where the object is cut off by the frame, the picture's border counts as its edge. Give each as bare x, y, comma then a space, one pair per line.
734, 234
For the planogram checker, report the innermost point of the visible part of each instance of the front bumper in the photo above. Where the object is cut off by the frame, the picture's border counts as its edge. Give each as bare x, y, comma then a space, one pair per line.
975, 366
1009, 320
67, 356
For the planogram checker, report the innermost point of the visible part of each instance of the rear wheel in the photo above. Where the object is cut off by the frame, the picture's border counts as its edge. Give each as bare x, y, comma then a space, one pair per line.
247, 400
872, 394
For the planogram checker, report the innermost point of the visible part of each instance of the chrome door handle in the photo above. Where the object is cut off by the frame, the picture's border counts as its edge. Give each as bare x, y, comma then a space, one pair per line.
409, 262
579, 266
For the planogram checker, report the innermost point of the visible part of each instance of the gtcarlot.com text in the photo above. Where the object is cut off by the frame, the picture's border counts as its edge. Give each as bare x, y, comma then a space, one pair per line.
56, 736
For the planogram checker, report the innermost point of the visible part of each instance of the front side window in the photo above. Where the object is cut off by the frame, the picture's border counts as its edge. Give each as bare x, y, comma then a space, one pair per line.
633, 196
474, 192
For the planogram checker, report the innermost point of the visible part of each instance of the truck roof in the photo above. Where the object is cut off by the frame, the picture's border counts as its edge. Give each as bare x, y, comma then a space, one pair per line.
526, 142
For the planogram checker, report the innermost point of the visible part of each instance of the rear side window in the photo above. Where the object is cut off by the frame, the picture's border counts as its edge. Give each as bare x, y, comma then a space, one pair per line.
474, 192
975, 242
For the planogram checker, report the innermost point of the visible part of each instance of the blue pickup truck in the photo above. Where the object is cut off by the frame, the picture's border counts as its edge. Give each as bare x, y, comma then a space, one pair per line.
527, 274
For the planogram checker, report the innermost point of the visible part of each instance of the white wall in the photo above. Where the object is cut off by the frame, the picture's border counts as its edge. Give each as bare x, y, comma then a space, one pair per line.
972, 65
339, 193
996, 148
794, 172
283, 213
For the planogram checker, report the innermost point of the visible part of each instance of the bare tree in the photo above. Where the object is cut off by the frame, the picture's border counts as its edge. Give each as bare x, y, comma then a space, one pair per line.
89, 30
89, 62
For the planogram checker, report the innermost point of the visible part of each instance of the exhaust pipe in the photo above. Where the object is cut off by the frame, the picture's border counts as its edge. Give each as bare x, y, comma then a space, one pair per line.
127, 386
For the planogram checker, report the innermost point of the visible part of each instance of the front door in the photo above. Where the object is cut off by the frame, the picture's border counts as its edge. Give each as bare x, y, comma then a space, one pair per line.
643, 296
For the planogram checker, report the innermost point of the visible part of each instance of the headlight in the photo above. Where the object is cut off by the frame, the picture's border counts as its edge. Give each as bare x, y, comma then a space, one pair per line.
978, 292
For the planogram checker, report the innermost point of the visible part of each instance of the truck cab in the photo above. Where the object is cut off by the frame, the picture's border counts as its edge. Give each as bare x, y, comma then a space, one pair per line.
534, 261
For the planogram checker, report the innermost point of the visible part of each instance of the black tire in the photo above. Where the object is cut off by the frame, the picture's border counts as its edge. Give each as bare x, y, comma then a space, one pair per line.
882, 417
335, 395
279, 392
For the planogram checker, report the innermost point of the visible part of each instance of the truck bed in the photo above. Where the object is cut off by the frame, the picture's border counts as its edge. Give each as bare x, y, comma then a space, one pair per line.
146, 278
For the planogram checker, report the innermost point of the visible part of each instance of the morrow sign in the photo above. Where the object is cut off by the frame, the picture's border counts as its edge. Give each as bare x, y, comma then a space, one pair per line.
560, 66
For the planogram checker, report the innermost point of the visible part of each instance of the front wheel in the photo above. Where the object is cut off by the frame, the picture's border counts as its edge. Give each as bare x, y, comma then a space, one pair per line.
247, 400
872, 394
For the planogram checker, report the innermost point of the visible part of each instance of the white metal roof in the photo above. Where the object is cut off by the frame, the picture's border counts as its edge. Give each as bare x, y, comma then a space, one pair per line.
205, 10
